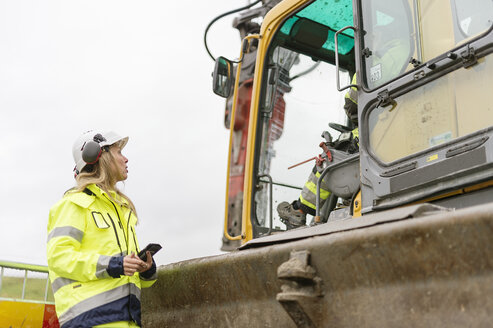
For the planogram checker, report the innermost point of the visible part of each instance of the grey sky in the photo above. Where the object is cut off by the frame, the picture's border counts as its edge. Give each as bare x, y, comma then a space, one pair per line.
138, 68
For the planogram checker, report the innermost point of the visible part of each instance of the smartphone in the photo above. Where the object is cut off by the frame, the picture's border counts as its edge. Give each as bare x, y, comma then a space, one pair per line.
153, 248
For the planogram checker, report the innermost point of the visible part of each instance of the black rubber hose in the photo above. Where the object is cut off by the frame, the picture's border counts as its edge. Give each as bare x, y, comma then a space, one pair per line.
219, 17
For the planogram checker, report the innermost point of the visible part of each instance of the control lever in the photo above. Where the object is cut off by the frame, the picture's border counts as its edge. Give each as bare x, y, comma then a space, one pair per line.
327, 136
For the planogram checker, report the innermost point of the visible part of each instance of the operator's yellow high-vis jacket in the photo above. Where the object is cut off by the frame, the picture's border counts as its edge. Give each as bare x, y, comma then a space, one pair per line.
88, 235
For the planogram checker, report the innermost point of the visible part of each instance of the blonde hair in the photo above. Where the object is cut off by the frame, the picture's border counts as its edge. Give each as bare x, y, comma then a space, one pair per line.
104, 174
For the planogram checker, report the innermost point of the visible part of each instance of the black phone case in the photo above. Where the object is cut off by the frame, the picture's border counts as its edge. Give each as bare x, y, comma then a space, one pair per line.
153, 248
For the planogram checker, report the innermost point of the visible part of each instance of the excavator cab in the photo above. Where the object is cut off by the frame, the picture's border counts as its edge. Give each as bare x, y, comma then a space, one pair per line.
423, 112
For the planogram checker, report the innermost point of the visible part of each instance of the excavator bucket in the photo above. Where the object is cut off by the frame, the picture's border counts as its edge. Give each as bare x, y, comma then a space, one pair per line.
417, 266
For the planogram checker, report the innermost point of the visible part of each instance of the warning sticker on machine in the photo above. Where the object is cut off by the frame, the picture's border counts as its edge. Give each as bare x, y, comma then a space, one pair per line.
375, 73
441, 138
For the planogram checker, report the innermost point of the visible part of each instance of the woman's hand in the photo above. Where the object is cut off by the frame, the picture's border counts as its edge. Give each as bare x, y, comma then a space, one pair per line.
148, 263
132, 263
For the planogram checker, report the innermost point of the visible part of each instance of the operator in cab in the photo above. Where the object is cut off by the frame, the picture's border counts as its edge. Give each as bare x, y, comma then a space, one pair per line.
293, 214
390, 57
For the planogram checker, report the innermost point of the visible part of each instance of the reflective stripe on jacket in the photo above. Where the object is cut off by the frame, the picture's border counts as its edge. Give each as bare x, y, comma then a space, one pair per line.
85, 230
308, 195
355, 133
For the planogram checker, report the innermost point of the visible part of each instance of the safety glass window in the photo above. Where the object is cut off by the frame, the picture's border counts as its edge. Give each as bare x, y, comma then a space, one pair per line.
389, 40
300, 102
471, 19
448, 108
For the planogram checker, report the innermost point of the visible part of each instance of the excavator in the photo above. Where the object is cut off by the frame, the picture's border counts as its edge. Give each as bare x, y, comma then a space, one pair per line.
404, 239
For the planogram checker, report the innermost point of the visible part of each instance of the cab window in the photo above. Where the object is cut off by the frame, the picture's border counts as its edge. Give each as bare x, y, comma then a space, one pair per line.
300, 102
471, 20
389, 40
448, 108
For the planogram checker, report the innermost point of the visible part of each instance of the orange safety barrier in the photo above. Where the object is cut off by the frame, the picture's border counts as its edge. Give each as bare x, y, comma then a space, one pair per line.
25, 309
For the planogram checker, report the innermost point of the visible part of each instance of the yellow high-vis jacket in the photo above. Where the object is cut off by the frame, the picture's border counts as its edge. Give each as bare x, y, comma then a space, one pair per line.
88, 236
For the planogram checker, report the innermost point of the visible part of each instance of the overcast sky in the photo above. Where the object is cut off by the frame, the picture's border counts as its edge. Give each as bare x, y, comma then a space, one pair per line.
138, 68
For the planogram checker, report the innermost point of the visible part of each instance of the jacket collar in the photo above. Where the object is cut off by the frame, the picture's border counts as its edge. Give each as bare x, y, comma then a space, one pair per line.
100, 193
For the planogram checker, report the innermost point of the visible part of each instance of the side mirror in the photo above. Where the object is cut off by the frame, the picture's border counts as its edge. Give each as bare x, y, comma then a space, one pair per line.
222, 78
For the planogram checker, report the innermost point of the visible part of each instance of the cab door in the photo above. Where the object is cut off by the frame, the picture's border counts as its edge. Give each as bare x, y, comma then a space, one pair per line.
424, 109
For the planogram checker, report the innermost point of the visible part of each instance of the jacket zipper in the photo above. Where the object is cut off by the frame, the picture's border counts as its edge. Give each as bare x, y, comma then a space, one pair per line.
135, 240
128, 231
116, 233
120, 222
133, 232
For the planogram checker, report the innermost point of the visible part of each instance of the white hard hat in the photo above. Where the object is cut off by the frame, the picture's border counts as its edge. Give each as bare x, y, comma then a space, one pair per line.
87, 148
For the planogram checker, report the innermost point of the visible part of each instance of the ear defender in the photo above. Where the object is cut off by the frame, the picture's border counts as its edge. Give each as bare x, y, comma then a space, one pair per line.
91, 150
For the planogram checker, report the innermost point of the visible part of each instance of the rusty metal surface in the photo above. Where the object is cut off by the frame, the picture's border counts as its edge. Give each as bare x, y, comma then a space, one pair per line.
433, 271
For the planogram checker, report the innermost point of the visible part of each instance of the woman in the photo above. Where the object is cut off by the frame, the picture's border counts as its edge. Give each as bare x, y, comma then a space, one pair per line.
95, 275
